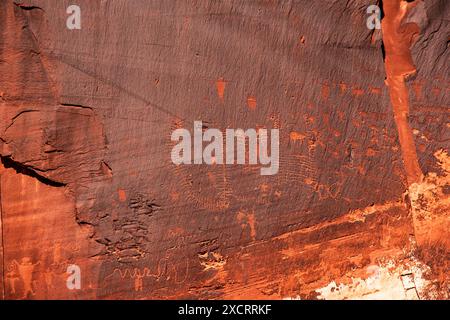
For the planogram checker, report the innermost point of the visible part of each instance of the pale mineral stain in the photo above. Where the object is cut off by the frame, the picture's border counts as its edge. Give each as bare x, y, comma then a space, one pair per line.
385, 281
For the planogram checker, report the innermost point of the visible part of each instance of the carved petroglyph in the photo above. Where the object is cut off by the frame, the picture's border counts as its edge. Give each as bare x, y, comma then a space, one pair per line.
298, 168
247, 221
205, 177
12, 276
138, 283
25, 269
212, 261
164, 271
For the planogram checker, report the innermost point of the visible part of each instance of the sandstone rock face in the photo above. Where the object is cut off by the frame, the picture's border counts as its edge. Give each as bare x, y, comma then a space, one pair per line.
360, 207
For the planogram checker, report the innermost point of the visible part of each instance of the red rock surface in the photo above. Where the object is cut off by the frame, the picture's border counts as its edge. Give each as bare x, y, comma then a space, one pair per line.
360, 207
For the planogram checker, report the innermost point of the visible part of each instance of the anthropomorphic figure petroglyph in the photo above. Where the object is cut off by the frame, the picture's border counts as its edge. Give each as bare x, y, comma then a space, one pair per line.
138, 285
12, 276
26, 268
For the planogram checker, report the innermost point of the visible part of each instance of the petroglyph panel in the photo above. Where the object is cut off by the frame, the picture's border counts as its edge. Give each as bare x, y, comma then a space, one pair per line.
86, 117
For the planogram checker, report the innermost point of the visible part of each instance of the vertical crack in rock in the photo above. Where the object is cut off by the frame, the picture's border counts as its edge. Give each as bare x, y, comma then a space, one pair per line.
398, 39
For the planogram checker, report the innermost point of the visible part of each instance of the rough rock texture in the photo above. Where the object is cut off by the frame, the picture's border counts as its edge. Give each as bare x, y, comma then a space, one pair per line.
359, 209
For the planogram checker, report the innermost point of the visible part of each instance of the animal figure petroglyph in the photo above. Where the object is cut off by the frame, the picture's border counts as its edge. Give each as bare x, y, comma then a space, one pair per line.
164, 270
